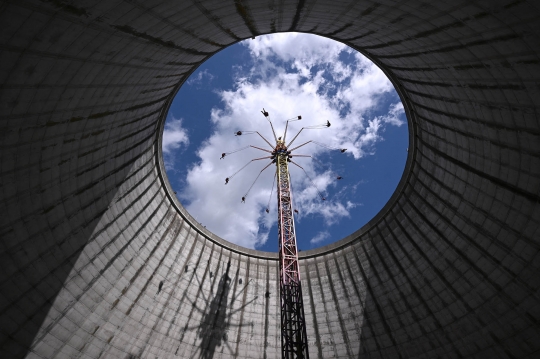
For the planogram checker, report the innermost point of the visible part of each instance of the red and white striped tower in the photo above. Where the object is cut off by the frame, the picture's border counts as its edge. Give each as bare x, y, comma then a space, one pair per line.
293, 324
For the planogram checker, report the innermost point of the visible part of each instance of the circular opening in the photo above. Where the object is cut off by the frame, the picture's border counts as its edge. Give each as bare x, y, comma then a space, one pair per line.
285, 76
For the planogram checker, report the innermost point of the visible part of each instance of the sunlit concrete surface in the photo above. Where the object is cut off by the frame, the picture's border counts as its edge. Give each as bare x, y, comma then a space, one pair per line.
89, 227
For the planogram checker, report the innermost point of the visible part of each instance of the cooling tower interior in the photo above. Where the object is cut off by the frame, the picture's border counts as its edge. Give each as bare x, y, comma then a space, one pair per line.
100, 260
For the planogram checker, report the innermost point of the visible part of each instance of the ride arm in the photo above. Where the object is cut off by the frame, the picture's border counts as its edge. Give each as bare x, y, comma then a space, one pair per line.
255, 159
265, 140
298, 118
268, 165
273, 131
262, 149
290, 143
303, 144
309, 178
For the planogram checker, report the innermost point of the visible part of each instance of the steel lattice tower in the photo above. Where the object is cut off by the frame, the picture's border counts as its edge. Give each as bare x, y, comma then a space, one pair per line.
293, 324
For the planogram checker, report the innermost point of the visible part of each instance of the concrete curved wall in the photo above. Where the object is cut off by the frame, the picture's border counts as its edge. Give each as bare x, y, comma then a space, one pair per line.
89, 229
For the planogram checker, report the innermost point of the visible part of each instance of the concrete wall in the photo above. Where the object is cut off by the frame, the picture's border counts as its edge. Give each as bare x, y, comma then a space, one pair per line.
89, 228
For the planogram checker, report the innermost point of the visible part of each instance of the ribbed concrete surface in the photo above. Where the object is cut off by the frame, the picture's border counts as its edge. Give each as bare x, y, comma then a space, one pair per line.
449, 269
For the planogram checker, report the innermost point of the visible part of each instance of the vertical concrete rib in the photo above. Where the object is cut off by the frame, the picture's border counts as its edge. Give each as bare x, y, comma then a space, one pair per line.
317, 336
243, 305
334, 299
266, 311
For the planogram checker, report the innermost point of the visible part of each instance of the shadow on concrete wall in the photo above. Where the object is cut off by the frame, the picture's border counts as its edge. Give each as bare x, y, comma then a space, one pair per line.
43, 288
413, 308
216, 317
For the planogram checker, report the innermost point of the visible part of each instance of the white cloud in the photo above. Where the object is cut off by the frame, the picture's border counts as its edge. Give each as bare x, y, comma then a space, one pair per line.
320, 237
174, 136
350, 205
392, 117
293, 74
198, 79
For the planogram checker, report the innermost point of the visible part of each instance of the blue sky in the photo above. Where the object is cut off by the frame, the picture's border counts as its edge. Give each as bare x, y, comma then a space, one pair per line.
287, 74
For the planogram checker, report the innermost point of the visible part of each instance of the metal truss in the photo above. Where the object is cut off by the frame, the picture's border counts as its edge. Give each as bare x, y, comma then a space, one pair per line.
293, 324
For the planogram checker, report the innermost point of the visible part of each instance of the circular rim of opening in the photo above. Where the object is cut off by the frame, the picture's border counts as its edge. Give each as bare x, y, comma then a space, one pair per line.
332, 247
